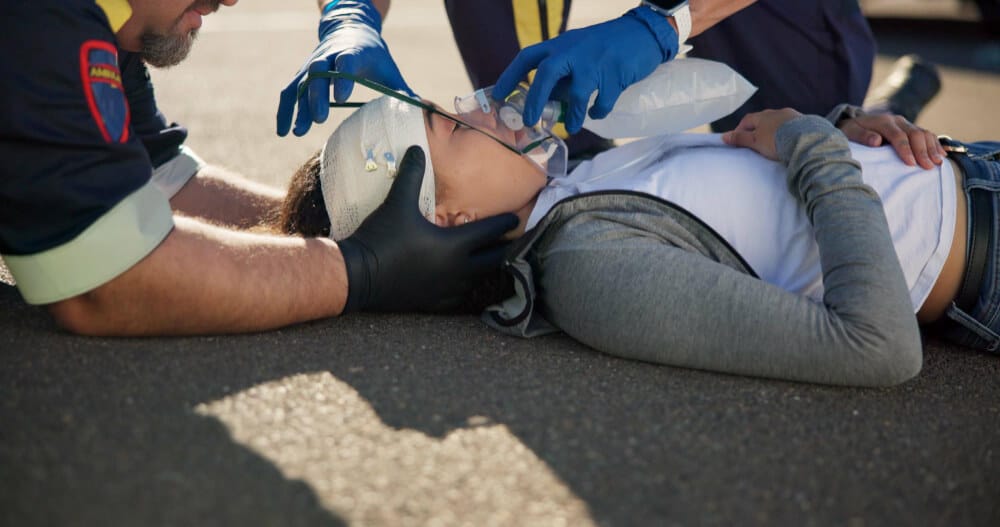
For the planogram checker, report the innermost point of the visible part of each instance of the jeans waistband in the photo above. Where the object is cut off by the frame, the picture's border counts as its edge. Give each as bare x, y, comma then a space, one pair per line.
980, 230
959, 318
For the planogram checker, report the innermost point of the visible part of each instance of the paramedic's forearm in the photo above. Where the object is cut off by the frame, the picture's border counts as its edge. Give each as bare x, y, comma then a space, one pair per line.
707, 13
381, 5
203, 279
225, 198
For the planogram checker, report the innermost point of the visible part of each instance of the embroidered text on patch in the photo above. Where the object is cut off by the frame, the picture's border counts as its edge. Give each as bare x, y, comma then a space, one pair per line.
102, 85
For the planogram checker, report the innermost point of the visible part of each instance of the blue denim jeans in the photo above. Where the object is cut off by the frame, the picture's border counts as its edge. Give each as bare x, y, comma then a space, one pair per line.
980, 328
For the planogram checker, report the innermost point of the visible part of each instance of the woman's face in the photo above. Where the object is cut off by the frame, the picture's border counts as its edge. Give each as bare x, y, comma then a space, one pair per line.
476, 176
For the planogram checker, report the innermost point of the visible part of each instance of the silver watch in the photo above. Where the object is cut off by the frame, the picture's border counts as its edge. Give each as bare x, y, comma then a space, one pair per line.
679, 10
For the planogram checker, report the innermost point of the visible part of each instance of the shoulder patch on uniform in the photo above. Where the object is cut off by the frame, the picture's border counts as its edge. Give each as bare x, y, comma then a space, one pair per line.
102, 85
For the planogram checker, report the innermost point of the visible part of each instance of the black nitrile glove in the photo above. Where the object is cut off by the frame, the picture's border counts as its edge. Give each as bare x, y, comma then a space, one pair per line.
399, 261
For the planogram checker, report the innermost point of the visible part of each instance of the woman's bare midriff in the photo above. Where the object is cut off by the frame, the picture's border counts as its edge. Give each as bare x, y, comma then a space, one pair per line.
950, 280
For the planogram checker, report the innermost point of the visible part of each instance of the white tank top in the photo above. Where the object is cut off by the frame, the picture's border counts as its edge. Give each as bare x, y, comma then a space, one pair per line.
744, 198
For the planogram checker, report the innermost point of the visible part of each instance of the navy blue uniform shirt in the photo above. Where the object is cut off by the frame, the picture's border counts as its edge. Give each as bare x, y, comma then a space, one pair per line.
80, 133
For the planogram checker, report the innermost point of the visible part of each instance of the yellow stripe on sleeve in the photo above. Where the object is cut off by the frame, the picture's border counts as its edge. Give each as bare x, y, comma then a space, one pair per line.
528, 20
555, 9
528, 23
110, 246
117, 11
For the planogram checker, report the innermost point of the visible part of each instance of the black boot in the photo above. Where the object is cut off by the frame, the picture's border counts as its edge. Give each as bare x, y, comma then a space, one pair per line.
910, 86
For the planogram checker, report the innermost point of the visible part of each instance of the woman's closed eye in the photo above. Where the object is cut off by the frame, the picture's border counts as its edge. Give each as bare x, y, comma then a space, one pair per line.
441, 115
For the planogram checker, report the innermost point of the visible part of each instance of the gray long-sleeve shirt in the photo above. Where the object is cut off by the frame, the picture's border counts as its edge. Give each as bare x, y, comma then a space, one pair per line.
637, 277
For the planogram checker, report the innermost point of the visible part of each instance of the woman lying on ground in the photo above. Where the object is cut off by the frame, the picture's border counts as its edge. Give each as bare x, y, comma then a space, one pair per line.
803, 257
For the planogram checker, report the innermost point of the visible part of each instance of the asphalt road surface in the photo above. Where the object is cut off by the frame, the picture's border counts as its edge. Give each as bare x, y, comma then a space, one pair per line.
423, 420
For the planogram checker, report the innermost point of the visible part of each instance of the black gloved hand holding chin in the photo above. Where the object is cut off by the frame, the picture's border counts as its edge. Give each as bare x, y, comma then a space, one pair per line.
399, 261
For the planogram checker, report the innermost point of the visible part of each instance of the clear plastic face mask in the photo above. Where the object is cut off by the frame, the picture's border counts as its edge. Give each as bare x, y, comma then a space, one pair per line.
547, 151
503, 119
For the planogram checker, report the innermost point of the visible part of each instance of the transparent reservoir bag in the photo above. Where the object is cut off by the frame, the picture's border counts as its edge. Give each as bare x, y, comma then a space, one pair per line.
677, 96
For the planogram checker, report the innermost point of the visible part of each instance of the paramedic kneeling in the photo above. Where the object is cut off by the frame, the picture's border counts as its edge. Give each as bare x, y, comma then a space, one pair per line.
119, 230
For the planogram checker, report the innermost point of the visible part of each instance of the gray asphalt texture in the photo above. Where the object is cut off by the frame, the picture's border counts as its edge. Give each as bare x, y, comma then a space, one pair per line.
426, 420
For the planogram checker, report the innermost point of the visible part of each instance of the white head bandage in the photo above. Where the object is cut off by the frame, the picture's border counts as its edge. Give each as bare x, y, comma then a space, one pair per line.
360, 160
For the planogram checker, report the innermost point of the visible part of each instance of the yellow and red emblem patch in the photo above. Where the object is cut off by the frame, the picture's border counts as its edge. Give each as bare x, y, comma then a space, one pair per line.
102, 86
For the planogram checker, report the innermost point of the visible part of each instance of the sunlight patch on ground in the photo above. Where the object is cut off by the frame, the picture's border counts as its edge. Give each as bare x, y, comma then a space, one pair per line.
368, 473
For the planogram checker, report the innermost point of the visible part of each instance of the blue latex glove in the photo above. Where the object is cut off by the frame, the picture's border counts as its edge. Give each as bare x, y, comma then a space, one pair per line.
349, 41
606, 57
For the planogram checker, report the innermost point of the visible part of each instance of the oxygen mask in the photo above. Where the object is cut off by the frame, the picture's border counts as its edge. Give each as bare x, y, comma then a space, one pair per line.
503, 119
498, 120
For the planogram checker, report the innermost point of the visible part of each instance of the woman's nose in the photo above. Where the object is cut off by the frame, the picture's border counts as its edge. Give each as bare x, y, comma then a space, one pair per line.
482, 120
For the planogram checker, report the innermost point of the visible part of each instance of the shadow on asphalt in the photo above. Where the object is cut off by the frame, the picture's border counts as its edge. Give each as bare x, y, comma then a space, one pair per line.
103, 431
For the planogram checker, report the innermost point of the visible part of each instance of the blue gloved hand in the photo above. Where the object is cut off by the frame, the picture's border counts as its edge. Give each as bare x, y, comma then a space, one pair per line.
349, 41
606, 57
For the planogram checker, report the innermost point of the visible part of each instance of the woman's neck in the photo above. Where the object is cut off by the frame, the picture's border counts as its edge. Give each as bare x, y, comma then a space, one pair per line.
522, 219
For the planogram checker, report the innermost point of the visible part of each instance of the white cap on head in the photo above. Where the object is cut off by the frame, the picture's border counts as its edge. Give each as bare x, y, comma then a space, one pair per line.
361, 157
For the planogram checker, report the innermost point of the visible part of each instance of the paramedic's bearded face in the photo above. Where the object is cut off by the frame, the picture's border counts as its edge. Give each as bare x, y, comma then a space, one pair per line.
477, 177
171, 28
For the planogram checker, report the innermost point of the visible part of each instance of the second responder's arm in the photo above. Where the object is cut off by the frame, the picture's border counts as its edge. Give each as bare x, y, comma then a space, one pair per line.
350, 41
707, 13
572, 66
381, 5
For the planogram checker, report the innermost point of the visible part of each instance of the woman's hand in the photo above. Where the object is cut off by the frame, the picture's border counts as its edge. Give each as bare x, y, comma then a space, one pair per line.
756, 131
913, 144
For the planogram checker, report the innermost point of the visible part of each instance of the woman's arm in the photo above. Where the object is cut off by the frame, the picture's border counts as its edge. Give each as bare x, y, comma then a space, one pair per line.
633, 295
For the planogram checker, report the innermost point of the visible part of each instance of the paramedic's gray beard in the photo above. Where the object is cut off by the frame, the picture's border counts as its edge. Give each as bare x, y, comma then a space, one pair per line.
163, 51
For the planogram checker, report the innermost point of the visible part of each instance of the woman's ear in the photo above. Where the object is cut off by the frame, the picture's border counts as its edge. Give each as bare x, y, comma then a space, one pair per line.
461, 218
444, 217
440, 216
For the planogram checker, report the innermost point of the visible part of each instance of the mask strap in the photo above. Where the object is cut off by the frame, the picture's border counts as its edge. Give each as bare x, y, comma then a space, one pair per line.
385, 90
380, 88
